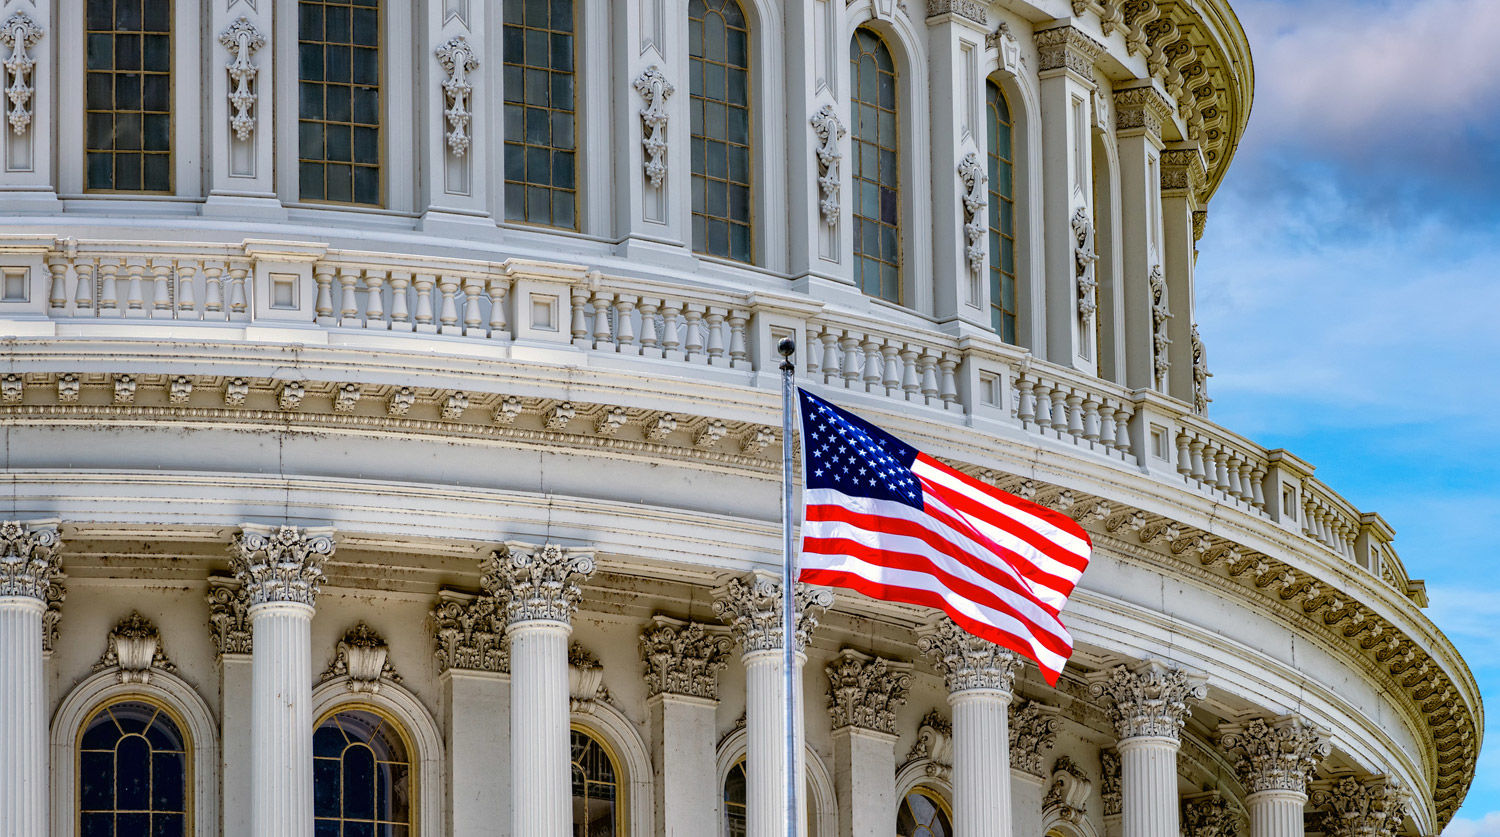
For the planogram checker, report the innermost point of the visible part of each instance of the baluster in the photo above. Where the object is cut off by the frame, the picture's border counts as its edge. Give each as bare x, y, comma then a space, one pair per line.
911, 377
930, 389
1257, 486
832, 365
1221, 471
650, 337
1025, 403
850, 366
57, 292
1247, 491
892, 378
109, 289
161, 288
948, 382
1059, 409
1122, 431
692, 345
187, 303
239, 306
448, 313
1309, 510
671, 334
1211, 464
1041, 393
322, 305
349, 300
603, 303
424, 283
135, 299
1197, 459
1184, 458
400, 313
1090, 418
473, 317
1104, 416
1236, 481
874, 367
1075, 414
83, 295
581, 310
374, 304
625, 325
213, 288
739, 354
498, 288
715, 321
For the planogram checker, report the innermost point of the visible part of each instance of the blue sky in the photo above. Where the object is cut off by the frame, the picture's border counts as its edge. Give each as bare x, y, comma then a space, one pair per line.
1349, 289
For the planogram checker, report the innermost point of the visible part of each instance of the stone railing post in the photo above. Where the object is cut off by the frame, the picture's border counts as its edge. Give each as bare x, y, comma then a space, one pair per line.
1274, 759
28, 564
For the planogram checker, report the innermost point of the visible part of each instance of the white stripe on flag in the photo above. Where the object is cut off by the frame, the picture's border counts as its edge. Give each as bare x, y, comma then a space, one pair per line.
1064, 540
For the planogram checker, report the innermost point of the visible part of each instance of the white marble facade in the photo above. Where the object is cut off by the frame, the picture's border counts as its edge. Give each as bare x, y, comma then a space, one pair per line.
313, 491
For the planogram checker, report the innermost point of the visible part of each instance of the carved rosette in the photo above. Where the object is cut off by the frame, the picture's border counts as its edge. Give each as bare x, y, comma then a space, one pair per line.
1209, 815
1084, 258
751, 607
1375, 807
1067, 48
362, 655
20, 33
1068, 793
1160, 313
242, 39
1275, 755
134, 647
934, 744
975, 181
470, 633
457, 60
865, 691
828, 130
284, 564
1200, 374
229, 617
537, 582
1110, 789
1150, 700
683, 658
966, 661
1033, 732
28, 559
655, 89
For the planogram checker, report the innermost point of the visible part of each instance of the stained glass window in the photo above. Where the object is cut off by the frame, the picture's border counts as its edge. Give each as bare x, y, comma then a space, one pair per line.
541, 157
596, 789
1002, 215
128, 92
719, 50
923, 815
877, 226
132, 771
362, 777
338, 101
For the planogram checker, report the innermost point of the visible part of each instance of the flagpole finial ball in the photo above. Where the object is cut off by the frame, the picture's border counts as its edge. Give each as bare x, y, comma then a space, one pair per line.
786, 346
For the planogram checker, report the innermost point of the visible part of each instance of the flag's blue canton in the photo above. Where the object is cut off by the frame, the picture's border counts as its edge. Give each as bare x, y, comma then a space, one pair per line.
861, 460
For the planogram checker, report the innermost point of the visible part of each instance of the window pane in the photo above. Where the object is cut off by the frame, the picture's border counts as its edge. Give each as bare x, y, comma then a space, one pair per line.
132, 772
877, 210
595, 789
362, 780
538, 45
719, 59
1002, 266
129, 57
339, 101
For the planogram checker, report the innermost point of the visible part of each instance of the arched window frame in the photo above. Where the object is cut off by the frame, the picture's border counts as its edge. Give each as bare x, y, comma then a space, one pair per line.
997, 156
1024, 97
166, 690
425, 746
916, 775
616, 734
822, 807
931, 793
754, 175
1109, 347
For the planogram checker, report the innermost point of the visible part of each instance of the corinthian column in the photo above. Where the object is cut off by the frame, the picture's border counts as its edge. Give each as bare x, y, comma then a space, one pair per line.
1375, 807
863, 695
538, 588
751, 606
28, 563
1149, 706
281, 570
979, 675
1274, 759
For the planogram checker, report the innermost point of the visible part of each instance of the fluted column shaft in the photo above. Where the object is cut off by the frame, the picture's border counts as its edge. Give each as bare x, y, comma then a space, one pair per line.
281, 757
765, 726
1276, 813
981, 763
541, 775
23, 717
1148, 779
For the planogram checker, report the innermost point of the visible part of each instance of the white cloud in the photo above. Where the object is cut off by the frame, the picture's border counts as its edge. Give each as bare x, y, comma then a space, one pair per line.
1486, 826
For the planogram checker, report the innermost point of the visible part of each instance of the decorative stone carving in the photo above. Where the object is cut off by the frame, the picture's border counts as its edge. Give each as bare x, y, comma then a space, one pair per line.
134, 646
828, 130
934, 744
458, 61
976, 198
1374, 807
229, 616
470, 633
683, 658
751, 607
454, 406
1200, 223
1159, 316
12, 387
124, 390
1182, 169
28, 559
68, 388
1110, 789
242, 39
1209, 815
559, 417
537, 581
710, 434
968, 9
1141, 108
1069, 791
1004, 41
1033, 731
284, 564
290, 396
20, 33
400, 402
52, 616
362, 655
655, 89
508, 410
585, 679
610, 423
235, 392
1084, 258
865, 691
1149, 700
1067, 48
345, 398
1200, 374
966, 661
661, 427
757, 440
1277, 755
180, 391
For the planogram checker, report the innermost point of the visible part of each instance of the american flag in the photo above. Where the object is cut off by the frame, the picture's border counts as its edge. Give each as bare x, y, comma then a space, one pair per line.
884, 519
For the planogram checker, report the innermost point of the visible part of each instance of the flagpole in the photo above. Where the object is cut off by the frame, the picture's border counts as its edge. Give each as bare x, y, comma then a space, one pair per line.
787, 347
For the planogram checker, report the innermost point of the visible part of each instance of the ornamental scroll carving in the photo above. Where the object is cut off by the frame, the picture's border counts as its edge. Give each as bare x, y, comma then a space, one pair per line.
20, 33
1209, 816
751, 607
828, 130
134, 647
1004, 41
1110, 789
28, 559
1069, 791
363, 656
1275, 755
458, 61
470, 633
975, 181
1033, 732
242, 40
935, 745
655, 89
537, 582
229, 616
284, 564
1085, 256
865, 691
966, 661
683, 658
1375, 807
1159, 316
1200, 374
1150, 700
52, 616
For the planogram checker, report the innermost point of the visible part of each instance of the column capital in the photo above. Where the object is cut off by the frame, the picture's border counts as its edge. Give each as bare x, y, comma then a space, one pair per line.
1279, 754
1183, 169
1149, 699
1374, 807
684, 658
1033, 731
865, 691
537, 582
751, 607
469, 633
1067, 48
281, 564
1209, 815
966, 661
971, 12
935, 744
229, 616
28, 558
1142, 109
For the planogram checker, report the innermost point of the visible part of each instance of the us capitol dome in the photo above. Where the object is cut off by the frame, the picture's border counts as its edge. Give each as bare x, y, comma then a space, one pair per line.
392, 428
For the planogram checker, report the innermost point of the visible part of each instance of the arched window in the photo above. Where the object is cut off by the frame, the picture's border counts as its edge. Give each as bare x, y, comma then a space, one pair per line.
735, 792
132, 773
597, 810
128, 91
540, 113
877, 211
338, 101
719, 50
362, 776
923, 814
1003, 304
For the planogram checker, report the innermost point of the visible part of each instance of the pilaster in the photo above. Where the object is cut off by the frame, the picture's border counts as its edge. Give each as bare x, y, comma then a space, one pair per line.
28, 563
682, 661
456, 139
28, 49
651, 99
816, 52
1139, 113
1182, 174
240, 109
473, 663
863, 695
230, 630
